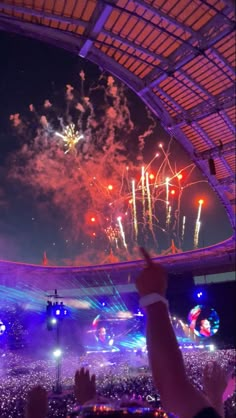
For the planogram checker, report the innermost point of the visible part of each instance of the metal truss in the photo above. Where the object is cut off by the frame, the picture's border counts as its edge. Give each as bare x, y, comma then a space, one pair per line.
94, 28
227, 181
40, 14
166, 18
209, 142
214, 104
213, 32
228, 121
220, 151
101, 14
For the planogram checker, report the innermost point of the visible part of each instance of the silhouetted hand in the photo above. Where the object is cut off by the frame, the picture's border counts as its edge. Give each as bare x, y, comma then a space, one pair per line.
153, 279
214, 385
37, 403
85, 386
214, 380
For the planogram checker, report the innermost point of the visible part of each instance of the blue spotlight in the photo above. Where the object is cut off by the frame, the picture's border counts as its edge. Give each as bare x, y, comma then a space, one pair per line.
57, 312
139, 313
199, 294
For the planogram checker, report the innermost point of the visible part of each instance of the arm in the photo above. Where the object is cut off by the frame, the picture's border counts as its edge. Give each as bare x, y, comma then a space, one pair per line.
166, 361
177, 393
214, 385
85, 386
37, 403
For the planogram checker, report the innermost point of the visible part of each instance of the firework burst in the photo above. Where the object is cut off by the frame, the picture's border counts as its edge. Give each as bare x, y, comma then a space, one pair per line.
107, 195
71, 137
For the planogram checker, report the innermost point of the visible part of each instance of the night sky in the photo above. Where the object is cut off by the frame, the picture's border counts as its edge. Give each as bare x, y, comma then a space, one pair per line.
33, 221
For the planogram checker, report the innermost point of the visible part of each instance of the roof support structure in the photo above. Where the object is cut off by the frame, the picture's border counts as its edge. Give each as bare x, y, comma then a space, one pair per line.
167, 31
227, 181
223, 61
106, 63
211, 33
166, 18
215, 29
99, 18
40, 14
136, 47
228, 121
204, 135
220, 151
215, 104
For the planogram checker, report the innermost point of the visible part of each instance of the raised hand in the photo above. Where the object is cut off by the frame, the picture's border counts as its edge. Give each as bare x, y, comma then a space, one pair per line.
37, 403
214, 380
195, 313
153, 279
214, 384
85, 386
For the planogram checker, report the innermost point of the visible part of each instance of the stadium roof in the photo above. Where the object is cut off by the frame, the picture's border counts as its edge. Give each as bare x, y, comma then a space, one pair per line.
177, 55
96, 280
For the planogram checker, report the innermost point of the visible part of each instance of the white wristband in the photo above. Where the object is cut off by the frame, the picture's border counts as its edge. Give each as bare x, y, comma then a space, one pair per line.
152, 298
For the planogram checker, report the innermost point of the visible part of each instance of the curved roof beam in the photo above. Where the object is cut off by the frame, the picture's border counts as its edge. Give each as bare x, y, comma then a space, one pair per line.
93, 29
40, 14
99, 18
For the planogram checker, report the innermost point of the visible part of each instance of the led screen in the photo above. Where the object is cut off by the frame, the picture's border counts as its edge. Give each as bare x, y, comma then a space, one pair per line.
203, 321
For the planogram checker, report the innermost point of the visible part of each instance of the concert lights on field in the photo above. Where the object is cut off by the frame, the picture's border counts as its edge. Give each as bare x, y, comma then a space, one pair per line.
55, 312
57, 353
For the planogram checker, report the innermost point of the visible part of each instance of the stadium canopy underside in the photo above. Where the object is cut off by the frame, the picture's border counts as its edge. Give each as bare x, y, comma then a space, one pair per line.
177, 55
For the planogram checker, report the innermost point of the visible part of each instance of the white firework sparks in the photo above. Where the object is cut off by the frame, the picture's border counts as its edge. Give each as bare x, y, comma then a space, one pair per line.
71, 137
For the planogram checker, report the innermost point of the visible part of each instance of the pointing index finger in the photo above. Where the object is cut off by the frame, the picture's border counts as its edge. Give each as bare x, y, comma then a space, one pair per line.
146, 256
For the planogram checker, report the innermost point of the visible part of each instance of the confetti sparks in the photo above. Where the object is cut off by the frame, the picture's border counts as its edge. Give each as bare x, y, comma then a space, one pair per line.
113, 234
198, 223
134, 210
122, 231
183, 228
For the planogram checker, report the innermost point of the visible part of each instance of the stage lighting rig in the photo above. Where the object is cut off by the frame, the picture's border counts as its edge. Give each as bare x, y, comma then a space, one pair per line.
56, 311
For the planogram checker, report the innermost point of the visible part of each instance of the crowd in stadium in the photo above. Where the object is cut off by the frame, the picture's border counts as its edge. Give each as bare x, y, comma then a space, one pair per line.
193, 384
117, 382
